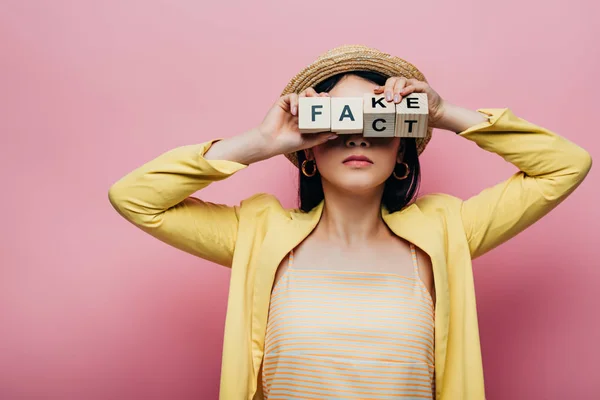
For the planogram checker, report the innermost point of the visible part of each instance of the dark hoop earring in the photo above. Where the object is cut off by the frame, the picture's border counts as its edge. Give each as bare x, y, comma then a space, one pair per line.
405, 175
303, 168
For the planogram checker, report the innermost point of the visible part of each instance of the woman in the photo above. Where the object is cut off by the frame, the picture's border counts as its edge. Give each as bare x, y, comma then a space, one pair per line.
364, 291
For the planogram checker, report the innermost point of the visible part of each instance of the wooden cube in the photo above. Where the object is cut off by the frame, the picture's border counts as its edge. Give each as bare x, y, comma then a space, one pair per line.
379, 116
314, 114
411, 116
347, 115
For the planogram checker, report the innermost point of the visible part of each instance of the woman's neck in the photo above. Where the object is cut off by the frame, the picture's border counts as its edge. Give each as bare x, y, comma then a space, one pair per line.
350, 219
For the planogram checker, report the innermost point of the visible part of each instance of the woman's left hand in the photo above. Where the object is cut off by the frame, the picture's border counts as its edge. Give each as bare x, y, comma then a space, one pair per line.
397, 87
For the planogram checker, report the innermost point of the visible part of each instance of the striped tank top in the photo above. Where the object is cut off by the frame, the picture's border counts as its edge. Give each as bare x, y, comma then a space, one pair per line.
349, 335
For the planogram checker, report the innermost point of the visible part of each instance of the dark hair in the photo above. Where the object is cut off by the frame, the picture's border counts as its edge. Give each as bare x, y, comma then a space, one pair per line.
397, 193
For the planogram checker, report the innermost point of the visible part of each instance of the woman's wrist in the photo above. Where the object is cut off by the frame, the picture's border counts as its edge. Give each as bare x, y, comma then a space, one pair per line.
458, 119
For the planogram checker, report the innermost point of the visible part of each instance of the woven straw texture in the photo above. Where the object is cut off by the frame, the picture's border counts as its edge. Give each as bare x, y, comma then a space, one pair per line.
353, 57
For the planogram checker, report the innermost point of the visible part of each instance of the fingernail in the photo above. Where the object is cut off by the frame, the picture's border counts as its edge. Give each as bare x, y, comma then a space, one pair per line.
294, 110
396, 98
377, 87
388, 96
331, 137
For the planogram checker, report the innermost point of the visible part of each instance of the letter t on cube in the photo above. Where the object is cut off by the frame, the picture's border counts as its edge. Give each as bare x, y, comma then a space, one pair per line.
411, 116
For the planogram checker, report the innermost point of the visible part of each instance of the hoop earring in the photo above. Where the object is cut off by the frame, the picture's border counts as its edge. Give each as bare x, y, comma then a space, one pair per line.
405, 175
303, 168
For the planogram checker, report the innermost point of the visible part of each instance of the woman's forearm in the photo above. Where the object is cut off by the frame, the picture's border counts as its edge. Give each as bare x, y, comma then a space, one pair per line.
246, 148
251, 146
551, 167
458, 119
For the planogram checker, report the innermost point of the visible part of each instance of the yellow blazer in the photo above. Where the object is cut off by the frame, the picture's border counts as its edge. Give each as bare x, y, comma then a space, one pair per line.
253, 237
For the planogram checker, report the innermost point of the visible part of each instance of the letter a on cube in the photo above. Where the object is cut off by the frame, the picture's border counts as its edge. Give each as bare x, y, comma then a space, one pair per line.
379, 116
314, 114
411, 116
347, 115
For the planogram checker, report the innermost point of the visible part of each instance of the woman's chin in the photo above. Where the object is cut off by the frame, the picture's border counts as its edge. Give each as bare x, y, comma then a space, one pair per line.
357, 183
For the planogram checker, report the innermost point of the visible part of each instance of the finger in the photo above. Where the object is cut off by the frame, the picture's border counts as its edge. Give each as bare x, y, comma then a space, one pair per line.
414, 80
284, 101
407, 90
388, 83
389, 87
415, 86
400, 84
316, 139
292, 101
309, 92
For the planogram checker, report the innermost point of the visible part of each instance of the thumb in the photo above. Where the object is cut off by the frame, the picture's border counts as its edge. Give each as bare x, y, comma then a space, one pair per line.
319, 138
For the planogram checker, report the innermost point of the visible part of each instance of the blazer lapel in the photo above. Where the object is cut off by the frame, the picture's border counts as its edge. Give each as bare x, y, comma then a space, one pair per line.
418, 228
284, 233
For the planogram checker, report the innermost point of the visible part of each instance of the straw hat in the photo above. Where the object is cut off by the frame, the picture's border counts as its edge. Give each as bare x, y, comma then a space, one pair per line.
353, 57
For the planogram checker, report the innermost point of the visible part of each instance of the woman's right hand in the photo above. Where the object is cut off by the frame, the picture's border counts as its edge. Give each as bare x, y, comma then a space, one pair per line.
279, 128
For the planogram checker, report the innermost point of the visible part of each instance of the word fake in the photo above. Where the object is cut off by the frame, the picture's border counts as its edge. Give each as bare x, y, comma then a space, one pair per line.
370, 115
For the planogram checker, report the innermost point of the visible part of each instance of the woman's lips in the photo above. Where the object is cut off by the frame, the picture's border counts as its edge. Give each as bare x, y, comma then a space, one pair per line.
357, 161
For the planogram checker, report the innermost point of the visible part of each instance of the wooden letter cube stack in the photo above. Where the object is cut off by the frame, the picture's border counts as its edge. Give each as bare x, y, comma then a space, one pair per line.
371, 115
411, 116
379, 117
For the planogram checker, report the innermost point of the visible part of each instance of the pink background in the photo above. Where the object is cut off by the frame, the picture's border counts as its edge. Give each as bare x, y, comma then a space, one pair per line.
92, 308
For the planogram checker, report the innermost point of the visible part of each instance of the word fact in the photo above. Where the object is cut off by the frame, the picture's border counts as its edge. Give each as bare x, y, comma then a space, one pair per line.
370, 115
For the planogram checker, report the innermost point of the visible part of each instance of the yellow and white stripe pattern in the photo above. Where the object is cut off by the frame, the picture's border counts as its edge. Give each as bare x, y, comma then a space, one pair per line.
349, 335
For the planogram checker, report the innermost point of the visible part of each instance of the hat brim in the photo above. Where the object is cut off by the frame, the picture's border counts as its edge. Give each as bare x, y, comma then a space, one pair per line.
349, 58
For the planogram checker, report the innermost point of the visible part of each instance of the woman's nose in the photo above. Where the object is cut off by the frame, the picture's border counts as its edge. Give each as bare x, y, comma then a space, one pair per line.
357, 141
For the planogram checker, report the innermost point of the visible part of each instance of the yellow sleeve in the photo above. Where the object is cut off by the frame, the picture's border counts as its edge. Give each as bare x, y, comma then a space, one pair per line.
551, 167
156, 197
